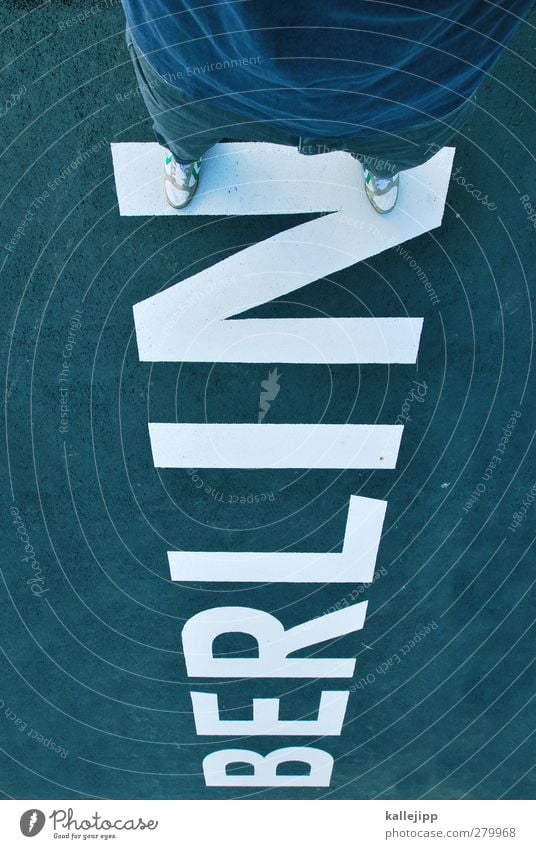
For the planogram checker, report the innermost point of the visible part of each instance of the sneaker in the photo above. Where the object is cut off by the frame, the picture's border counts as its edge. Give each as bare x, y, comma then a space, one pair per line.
381, 192
180, 181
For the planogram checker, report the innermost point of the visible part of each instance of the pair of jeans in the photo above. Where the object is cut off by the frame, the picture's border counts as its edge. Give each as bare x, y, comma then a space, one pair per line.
188, 128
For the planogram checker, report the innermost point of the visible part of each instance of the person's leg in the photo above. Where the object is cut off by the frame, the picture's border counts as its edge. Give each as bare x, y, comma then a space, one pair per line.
187, 129
184, 127
384, 156
392, 153
381, 169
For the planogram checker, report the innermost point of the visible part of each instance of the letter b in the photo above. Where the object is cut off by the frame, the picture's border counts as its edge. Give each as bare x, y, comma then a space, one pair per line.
265, 768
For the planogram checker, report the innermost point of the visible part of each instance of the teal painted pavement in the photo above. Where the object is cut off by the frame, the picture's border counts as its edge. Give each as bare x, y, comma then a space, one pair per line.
94, 695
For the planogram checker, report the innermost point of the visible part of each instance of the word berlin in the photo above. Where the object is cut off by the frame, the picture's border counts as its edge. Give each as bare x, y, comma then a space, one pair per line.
192, 321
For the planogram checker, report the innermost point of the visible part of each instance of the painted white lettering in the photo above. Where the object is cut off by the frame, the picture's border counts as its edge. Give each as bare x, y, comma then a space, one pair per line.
355, 564
274, 643
264, 773
266, 717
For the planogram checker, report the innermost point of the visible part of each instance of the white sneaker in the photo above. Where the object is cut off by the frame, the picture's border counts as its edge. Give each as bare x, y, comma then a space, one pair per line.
382, 193
180, 181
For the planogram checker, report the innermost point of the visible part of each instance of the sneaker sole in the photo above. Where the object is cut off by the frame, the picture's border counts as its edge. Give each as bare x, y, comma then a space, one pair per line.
370, 199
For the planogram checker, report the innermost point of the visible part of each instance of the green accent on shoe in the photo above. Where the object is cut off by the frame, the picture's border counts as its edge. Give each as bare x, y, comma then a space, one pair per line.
374, 192
181, 182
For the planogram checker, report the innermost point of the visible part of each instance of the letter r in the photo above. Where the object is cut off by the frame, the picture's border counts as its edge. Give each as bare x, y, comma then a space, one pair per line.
275, 644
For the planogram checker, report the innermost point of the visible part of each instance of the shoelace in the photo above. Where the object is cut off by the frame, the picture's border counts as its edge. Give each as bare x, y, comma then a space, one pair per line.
382, 183
183, 170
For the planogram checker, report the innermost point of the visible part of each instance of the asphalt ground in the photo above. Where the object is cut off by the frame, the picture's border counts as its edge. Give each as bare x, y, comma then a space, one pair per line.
94, 694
